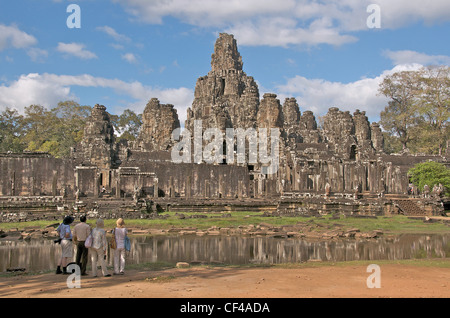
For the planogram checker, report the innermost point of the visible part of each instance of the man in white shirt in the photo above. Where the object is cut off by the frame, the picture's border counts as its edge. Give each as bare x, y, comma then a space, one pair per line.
80, 233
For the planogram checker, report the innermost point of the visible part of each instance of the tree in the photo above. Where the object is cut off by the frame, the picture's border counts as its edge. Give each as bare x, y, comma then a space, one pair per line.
57, 130
392, 143
70, 120
430, 173
434, 102
127, 125
400, 116
38, 124
11, 131
419, 108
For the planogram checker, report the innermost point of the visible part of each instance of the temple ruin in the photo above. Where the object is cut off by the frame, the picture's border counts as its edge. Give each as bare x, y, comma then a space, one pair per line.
339, 167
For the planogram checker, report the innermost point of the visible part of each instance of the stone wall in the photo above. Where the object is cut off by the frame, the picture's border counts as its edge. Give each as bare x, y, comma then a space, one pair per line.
158, 123
35, 174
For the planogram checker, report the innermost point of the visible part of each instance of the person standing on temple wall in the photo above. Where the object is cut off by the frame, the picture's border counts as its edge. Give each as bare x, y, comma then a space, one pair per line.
80, 233
65, 235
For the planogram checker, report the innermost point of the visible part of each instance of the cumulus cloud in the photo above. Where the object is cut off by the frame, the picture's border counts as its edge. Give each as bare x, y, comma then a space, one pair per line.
12, 37
396, 14
32, 89
319, 95
76, 49
288, 22
284, 32
49, 89
409, 57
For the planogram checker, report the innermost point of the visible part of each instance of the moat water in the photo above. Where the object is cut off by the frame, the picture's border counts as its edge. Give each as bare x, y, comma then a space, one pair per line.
42, 254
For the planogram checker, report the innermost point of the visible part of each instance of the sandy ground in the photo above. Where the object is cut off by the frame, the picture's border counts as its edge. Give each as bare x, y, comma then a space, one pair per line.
350, 281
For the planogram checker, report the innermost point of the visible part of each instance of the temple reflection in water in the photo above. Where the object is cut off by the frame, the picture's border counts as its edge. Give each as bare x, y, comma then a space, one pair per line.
41, 255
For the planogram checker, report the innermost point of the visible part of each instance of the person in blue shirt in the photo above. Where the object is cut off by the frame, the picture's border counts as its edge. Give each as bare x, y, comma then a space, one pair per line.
65, 235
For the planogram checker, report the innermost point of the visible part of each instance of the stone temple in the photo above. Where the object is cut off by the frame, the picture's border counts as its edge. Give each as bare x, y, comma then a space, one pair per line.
338, 167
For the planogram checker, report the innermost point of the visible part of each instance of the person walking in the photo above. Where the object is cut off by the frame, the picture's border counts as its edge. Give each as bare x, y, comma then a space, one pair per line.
98, 249
80, 233
65, 234
120, 232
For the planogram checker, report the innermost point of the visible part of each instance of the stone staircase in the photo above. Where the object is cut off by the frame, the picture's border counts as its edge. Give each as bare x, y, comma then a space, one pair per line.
410, 208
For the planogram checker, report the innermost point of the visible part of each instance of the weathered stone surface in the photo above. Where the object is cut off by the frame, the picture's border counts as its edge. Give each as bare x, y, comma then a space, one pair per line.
226, 97
158, 123
270, 114
377, 137
97, 146
339, 132
308, 128
291, 121
226, 56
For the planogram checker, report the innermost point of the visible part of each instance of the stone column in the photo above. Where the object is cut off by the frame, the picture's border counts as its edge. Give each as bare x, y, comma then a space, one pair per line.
207, 189
97, 177
155, 187
54, 184
188, 187
171, 188
118, 186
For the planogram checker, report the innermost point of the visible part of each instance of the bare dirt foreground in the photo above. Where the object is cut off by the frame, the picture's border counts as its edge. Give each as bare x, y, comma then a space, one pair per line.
348, 281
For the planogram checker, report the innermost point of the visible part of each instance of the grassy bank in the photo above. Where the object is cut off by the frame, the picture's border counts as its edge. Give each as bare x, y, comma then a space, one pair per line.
389, 225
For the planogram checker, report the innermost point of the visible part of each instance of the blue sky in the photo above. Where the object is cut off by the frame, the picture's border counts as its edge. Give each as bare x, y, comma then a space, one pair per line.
128, 51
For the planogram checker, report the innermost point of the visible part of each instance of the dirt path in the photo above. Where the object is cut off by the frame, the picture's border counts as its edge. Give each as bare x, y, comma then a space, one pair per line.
220, 282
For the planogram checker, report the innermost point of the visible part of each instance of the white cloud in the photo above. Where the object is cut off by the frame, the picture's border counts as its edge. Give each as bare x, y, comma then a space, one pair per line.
11, 36
319, 95
408, 57
49, 89
399, 13
130, 58
113, 33
75, 49
288, 22
32, 89
284, 32
37, 55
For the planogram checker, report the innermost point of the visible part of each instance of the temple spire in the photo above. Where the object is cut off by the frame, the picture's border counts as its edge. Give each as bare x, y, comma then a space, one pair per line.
226, 56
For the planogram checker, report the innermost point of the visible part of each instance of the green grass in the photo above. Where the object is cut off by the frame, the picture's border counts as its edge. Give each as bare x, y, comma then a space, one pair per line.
392, 225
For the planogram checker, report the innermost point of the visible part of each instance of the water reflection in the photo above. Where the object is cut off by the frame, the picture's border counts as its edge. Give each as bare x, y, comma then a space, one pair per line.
40, 255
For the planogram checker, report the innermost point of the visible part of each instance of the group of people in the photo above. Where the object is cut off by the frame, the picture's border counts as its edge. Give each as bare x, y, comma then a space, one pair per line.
98, 246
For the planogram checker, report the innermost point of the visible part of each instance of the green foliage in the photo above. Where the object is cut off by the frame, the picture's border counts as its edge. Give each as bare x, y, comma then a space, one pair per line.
392, 143
56, 130
430, 173
11, 131
418, 109
398, 224
127, 125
